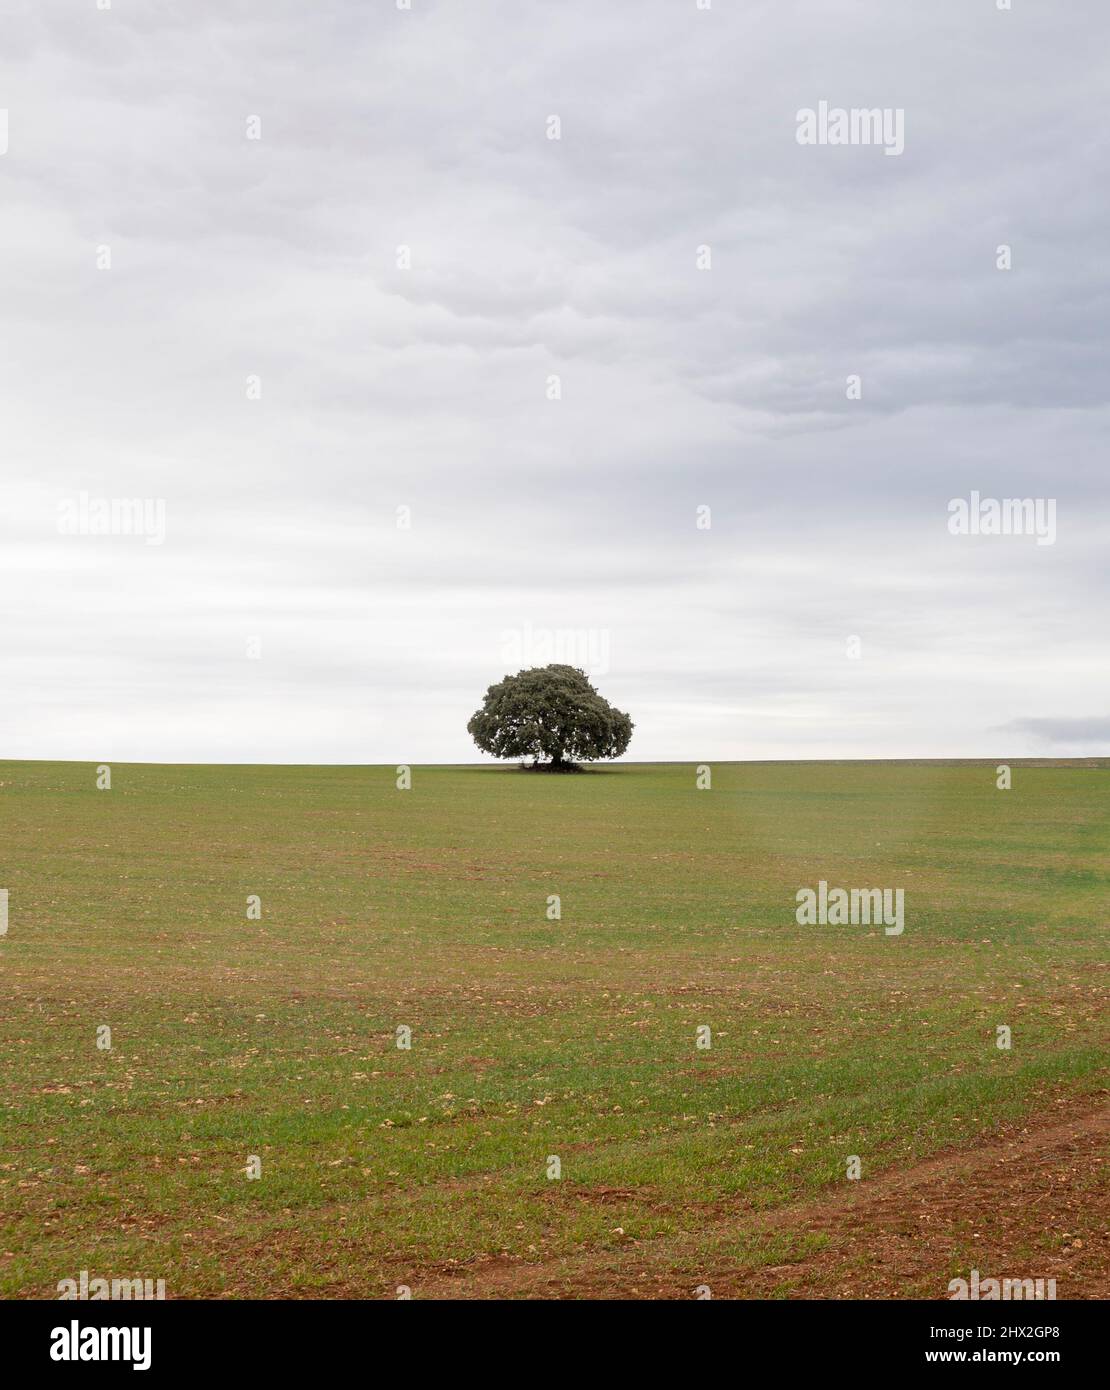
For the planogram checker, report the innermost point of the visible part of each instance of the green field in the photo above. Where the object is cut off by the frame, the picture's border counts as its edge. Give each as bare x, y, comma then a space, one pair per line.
531, 1037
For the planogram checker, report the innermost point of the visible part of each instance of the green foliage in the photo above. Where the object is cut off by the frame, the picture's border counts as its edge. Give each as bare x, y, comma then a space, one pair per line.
552, 714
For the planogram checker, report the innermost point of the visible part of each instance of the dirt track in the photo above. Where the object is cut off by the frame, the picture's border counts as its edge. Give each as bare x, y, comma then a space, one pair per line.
1032, 1202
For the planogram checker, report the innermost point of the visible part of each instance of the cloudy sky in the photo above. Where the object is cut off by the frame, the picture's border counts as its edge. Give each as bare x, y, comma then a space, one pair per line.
405, 294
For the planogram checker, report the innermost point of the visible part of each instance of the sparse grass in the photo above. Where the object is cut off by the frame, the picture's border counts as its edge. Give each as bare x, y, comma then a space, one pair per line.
531, 1037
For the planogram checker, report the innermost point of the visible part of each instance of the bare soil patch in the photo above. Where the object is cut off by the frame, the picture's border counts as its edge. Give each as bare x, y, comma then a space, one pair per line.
1030, 1202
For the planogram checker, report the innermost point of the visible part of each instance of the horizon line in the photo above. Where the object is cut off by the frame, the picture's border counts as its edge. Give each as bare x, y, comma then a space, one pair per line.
509, 765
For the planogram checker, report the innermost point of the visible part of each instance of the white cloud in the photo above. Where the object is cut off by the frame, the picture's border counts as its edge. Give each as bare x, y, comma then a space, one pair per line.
426, 387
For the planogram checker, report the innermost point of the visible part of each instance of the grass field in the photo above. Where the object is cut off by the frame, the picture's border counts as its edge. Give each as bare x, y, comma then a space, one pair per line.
575, 1038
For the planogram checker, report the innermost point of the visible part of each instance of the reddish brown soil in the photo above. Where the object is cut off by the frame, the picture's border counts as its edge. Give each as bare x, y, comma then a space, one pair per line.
1032, 1202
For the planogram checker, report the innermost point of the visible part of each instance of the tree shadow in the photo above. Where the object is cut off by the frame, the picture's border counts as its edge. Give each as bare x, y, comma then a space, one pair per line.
541, 774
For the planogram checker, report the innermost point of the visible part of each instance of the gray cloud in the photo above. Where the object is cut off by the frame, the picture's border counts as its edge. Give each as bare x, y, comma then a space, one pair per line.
426, 387
1091, 732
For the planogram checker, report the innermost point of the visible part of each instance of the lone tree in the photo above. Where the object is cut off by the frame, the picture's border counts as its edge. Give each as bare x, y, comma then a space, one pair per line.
552, 714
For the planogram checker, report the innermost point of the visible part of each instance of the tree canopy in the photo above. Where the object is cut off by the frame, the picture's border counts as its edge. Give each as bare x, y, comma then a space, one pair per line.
552, 714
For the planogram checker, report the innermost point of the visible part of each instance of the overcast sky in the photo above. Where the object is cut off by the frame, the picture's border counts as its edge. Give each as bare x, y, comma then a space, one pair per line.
258, 358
